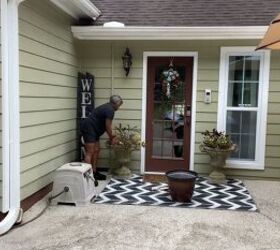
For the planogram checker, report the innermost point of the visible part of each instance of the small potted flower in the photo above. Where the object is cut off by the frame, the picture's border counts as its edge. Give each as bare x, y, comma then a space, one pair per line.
128, 139
218, 146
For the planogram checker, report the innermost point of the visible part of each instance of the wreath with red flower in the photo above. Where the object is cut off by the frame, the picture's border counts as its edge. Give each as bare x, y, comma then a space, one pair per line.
170, 79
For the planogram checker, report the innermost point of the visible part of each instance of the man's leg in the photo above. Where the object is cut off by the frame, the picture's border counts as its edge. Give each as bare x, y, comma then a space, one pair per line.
97, 175
95, 156
90, 151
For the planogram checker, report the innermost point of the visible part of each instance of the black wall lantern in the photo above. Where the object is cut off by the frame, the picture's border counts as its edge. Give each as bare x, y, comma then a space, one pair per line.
127, 61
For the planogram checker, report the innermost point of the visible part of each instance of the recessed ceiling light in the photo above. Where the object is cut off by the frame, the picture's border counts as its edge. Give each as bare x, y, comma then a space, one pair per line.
113, 24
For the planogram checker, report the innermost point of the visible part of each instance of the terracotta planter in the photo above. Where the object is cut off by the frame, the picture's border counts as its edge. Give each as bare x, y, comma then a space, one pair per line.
217, 161
181, 184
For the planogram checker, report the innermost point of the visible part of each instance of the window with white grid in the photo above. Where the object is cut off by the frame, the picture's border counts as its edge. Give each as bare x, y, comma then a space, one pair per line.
243, 96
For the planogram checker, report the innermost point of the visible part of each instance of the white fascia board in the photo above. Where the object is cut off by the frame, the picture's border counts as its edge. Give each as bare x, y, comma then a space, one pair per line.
79, 8
168, 33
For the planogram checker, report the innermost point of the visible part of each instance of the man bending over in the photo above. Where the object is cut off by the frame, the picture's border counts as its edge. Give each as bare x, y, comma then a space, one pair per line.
99, 121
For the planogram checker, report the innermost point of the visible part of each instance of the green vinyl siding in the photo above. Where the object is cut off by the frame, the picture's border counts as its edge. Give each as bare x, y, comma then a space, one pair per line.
111, 80
103, 60
48, 80
272, 159
1, 169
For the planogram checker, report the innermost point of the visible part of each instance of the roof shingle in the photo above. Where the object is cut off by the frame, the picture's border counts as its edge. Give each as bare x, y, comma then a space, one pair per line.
188, 12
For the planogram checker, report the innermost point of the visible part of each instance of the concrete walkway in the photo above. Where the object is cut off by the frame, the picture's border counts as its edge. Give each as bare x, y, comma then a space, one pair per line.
144, 227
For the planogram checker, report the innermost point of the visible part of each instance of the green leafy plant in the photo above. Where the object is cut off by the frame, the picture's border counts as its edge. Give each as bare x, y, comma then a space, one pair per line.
217, 140
128, 139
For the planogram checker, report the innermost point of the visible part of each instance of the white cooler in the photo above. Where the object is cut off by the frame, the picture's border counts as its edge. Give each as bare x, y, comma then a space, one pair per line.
78, 177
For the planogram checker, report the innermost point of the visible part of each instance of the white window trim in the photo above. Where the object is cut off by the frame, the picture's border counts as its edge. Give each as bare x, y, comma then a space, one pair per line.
259, 162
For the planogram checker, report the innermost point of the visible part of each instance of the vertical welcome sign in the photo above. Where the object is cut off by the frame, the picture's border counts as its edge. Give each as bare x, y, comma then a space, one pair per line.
85, 105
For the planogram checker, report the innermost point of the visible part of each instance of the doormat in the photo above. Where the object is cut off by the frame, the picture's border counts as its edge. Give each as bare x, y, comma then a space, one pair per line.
232, 196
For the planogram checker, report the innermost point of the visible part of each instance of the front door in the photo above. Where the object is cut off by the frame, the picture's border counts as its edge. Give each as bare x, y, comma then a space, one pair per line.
168, 114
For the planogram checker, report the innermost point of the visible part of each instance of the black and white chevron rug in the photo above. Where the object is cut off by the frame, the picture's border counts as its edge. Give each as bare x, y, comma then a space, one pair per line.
133, 191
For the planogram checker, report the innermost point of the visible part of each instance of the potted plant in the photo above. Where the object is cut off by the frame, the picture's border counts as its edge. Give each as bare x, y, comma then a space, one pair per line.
127, 140
218, 146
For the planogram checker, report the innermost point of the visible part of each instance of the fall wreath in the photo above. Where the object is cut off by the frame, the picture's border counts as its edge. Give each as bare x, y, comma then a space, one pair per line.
170, 79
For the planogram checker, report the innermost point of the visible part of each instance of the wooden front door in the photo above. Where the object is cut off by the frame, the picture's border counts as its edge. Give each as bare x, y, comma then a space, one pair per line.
168, 114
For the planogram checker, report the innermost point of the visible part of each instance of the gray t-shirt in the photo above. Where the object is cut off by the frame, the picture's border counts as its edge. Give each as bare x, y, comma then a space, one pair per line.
99, 115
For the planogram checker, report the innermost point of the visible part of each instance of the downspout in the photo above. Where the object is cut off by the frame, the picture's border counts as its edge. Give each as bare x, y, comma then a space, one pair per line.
5, 108
10, 117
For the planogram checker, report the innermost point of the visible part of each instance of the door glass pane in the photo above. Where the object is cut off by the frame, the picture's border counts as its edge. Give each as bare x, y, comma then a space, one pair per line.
160, 109
241, 126
157, 147
167, 148
163, 129
243, 81
168, 116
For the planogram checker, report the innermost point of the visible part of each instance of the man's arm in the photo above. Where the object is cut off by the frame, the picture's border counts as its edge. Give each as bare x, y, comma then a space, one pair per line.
109, 129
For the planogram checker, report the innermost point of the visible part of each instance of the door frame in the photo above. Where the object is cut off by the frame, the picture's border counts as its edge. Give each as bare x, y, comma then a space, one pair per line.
146, 54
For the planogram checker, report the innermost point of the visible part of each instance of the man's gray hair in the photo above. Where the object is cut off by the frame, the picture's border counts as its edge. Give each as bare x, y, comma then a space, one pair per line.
115, 99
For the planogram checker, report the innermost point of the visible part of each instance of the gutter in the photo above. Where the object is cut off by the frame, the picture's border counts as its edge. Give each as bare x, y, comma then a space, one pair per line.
77, 9
168, 33
10, 114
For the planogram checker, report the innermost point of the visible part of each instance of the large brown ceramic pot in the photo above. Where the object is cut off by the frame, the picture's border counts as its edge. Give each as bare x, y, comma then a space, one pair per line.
218, 161
181, 184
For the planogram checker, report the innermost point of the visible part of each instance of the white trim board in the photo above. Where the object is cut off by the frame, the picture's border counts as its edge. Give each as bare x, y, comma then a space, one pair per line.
147, 54
168, 33
259, 162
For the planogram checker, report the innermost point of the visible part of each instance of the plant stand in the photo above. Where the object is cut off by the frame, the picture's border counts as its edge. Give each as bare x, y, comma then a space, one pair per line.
122, 172
120, 169
218, 162
217, 177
